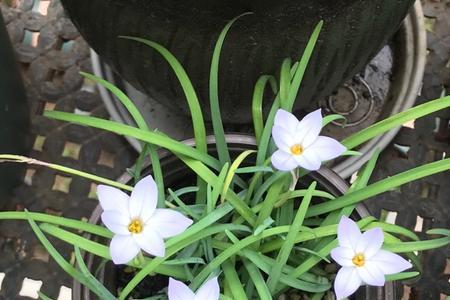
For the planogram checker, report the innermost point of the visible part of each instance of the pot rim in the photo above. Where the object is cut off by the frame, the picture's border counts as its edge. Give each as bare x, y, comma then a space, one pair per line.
327, 177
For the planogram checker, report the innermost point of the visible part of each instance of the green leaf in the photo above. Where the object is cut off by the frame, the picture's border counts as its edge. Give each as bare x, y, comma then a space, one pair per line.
285, 82
233, 281
300, 70
187, 210
123, 98
216, 118
258, 280
317, 296
379, 187
155, 138
65, 265
314, 259
312, 252
41, 217
140, 121
305, 234
183, 191
285, 251
237, 162
151, 150
402, 276
418, 245
361, 181
263, 169
184, 261
264, 263
93, 283
263, 143
301, 193
397, 120
331, 118
270, 199
32, 161
351, 153
191, 96
99, 249
208, 176
217, 188
258, 96
266, 186
266, 224
439, 231
392, 228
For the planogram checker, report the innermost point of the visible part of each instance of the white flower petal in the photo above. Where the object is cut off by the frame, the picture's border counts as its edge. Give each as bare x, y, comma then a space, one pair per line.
390, 263
326, 148
282, 138
168, 222
343, 256
112, 198
179, 291
151, 242
309, 128
283, 161
370, 242
122, 249
286, 120
371, 274
116, 222
308, 160
347, 282
348, 233
210, 290
143, 199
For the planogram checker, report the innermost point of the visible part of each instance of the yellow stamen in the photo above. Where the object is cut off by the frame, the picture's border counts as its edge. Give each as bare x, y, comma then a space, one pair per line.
136, 226
359, 260
297, 149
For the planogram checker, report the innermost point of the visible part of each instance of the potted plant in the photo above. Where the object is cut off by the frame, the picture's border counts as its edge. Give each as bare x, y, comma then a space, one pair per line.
177, 175
246, 222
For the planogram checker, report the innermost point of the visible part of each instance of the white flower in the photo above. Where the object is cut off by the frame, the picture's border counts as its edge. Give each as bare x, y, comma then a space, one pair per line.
299, 143
210, 290
136, 222
362, 259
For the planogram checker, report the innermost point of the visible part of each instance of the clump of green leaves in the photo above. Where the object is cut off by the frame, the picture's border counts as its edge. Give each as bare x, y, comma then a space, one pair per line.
261, 231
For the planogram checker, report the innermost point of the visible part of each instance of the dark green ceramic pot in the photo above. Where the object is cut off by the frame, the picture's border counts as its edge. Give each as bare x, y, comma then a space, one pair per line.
14, 116
353, 33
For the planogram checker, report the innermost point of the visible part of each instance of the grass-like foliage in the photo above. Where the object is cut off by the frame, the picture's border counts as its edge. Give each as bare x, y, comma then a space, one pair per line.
263, 232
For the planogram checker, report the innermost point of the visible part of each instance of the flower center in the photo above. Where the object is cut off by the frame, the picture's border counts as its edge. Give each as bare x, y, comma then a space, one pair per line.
136, 226
297, 149
359, 260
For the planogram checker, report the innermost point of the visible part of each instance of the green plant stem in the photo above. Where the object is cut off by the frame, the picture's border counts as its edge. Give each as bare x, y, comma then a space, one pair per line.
32, 161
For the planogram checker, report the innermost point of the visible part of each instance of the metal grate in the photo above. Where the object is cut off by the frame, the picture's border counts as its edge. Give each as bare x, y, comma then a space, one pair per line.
424, 204
51, 53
